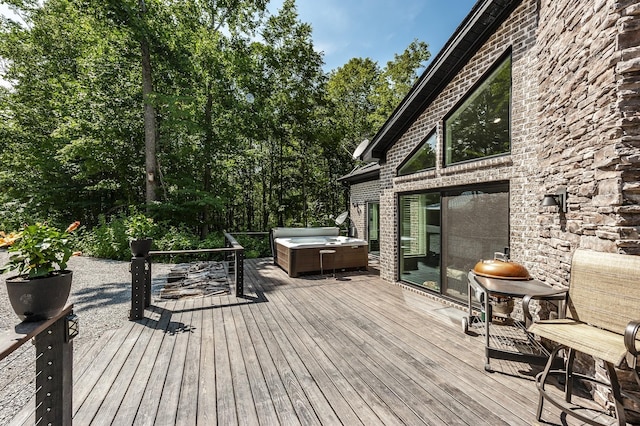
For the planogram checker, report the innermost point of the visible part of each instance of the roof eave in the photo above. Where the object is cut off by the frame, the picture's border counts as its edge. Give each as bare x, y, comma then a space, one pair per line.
367, 176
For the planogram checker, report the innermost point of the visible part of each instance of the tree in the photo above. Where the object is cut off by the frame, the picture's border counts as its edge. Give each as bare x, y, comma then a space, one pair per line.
80, 114
395, 81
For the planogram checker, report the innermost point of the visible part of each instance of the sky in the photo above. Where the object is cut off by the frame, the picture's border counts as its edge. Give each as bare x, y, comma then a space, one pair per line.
377, 29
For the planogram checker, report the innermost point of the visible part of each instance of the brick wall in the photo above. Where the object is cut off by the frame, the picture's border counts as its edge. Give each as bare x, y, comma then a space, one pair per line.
517, 33
574, 124
361, 194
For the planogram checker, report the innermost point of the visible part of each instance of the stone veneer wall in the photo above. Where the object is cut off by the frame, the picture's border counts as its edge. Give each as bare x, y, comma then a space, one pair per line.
361, 193
588, 135
588, 129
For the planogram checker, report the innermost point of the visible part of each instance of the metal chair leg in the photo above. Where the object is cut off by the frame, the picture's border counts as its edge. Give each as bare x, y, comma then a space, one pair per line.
541, 379
617, 394
568, 387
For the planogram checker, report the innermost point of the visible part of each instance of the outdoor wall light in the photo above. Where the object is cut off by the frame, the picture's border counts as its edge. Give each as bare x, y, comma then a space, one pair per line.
558, 199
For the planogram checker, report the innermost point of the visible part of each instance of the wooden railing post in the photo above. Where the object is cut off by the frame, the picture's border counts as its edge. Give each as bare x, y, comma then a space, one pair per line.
54, 378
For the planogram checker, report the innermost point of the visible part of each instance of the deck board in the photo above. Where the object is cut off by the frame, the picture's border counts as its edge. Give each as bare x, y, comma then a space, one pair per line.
131, 400
311, 350
187, 410
428, 400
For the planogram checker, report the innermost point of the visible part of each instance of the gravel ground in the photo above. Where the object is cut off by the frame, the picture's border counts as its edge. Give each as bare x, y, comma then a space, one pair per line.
101, 294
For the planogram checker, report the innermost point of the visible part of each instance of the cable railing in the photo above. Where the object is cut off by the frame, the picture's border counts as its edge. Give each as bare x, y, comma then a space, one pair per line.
50, 360
141, 267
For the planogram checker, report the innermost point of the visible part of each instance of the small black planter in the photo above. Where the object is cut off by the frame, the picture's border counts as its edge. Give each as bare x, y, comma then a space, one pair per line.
140, 247
36, 299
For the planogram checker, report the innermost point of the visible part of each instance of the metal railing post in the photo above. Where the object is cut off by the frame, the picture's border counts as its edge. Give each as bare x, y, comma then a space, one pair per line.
54, 378
147, 283
138, 287
239, 272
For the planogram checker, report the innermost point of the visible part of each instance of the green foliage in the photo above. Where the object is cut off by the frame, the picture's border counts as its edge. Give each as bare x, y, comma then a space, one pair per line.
108, 239
40, 250
72, 125
139, 226
254, 246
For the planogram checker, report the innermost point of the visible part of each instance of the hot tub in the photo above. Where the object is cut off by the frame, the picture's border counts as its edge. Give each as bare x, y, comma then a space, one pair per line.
297, 250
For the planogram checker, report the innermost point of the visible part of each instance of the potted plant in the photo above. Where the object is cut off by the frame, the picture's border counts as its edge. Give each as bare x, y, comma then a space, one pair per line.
139, 229
39, 253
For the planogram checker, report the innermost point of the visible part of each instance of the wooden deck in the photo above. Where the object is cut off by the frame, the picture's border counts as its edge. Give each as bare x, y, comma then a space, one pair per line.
309, 350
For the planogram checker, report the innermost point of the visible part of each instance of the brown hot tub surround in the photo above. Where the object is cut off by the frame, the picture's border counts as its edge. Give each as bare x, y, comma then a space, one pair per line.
297, 250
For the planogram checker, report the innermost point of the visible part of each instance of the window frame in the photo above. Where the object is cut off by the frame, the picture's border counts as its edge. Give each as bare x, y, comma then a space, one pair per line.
508, 54
414, 152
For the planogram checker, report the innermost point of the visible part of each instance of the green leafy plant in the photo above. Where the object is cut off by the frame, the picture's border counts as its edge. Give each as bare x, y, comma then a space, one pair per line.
108, 239
139, 226
39, 250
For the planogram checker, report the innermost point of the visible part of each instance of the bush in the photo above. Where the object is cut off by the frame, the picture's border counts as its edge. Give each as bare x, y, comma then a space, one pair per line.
110, 240
255, 246
106, 240
139, 226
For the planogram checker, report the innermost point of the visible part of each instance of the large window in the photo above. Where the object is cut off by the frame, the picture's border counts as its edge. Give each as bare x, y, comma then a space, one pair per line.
422, 159
443, 235
479, 127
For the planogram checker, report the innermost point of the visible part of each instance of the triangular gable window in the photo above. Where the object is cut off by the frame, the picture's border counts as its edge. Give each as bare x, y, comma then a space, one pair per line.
421, 159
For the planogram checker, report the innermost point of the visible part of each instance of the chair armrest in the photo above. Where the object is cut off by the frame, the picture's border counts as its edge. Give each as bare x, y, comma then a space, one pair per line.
561, 294
630, 337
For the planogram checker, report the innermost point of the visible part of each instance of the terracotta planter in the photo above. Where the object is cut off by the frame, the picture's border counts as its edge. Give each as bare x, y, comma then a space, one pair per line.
140, 248
38, 299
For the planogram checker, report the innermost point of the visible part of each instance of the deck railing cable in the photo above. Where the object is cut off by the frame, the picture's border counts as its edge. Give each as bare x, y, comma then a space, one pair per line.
49, 371
141, 267
17, 378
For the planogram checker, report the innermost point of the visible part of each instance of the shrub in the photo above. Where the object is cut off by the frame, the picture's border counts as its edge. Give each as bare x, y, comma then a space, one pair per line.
139, 226
107, 240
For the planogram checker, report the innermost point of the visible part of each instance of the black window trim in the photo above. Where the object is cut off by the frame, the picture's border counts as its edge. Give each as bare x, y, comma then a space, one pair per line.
496, 64
415, 150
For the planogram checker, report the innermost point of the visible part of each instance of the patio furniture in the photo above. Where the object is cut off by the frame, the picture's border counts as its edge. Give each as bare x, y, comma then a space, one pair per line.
322, 254
602, 320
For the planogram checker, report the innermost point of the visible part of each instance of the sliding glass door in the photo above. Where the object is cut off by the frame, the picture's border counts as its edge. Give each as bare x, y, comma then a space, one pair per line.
420, 239
443, 234
475, 225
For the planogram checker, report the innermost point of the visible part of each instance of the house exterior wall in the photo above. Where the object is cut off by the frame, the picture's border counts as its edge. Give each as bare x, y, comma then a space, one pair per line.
587, 129
361, 194
574, 124
517, 33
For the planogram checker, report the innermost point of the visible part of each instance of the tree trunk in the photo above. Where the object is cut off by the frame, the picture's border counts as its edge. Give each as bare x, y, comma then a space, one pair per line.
149, 120
208, 148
